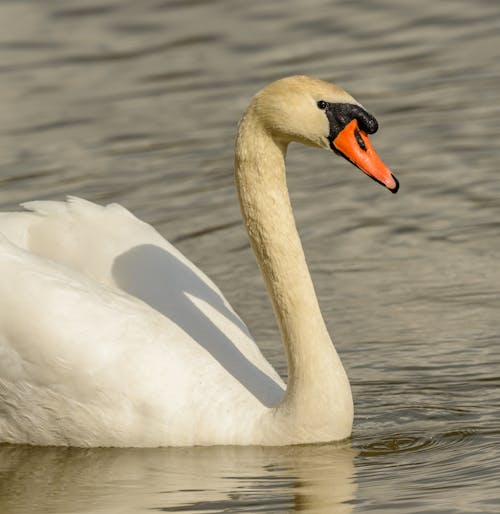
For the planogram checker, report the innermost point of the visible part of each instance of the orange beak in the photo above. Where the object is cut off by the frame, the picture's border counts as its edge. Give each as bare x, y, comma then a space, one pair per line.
353, 144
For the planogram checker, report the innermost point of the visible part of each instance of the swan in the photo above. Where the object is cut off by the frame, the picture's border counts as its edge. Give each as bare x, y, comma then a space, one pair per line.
109, 336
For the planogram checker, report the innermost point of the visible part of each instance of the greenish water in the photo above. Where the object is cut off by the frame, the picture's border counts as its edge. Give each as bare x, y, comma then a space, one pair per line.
137, 102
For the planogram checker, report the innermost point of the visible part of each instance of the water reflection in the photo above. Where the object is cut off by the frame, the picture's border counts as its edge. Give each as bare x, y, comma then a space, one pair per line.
310, 479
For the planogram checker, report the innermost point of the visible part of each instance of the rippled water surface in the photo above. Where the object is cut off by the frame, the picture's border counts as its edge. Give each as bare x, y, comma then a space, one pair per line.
137, 102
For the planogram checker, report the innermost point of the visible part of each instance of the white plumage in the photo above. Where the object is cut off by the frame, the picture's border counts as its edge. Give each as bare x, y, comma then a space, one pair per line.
84, 363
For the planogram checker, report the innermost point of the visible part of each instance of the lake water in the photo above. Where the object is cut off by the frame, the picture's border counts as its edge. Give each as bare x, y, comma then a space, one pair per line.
137, 102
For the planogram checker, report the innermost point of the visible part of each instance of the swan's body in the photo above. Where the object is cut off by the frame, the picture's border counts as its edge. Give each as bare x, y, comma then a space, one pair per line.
110, 337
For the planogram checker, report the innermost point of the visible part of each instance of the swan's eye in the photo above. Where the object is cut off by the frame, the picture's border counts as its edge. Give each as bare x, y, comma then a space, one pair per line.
321, 105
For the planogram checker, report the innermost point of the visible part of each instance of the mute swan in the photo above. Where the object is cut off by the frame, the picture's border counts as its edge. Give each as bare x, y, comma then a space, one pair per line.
109, 336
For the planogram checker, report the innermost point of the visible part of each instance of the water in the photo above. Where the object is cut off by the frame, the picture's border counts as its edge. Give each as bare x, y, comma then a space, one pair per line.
137, 102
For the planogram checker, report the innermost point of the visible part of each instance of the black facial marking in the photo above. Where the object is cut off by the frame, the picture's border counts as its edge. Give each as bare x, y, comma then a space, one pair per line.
340, 114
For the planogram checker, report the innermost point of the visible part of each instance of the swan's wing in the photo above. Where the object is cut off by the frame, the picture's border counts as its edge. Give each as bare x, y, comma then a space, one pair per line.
110, 245
98, 303
83, 364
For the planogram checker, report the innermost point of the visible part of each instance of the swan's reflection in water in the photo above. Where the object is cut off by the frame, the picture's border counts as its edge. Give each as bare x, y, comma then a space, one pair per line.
312, 479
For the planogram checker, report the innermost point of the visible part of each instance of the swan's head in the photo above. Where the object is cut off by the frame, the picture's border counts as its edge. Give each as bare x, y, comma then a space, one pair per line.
316, 113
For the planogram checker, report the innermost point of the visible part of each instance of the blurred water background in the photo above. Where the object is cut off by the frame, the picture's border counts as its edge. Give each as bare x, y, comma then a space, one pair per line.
137, 102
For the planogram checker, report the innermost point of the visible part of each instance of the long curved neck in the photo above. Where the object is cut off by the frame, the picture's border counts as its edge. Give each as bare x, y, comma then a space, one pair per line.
316, 378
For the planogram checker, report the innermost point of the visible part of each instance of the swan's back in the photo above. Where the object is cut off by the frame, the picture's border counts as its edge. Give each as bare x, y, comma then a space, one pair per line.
84, 236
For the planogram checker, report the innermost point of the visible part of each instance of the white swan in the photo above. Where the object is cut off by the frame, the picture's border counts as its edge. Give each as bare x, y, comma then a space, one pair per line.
110, 337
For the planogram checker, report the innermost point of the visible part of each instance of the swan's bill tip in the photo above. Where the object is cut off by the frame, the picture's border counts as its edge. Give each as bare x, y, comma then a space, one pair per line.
353, 143
395, 188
